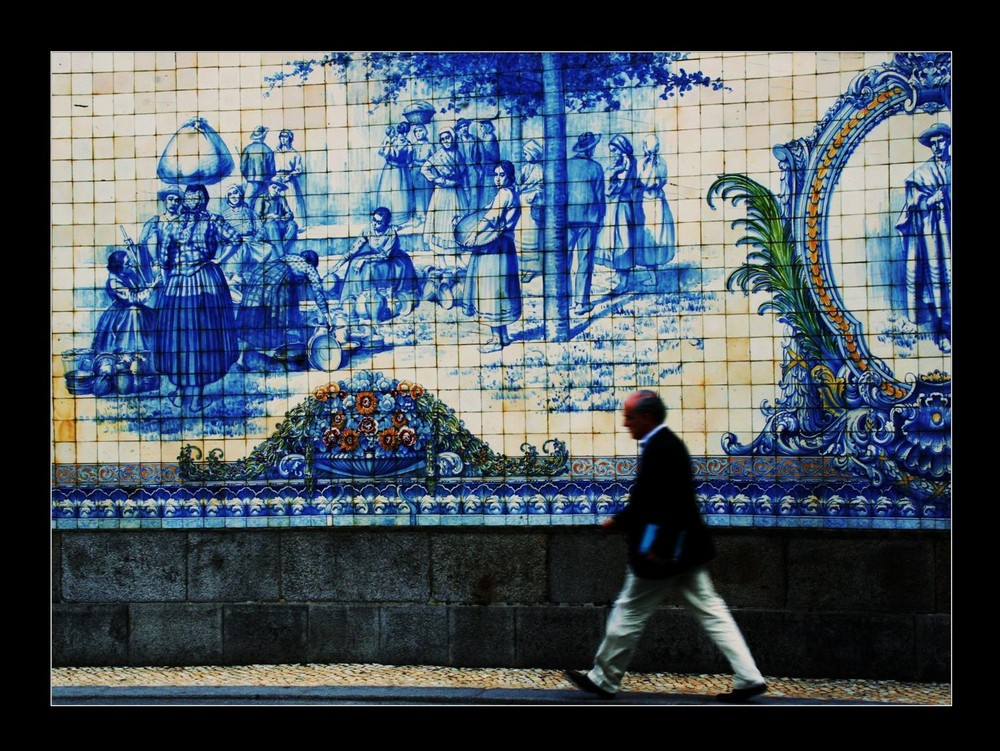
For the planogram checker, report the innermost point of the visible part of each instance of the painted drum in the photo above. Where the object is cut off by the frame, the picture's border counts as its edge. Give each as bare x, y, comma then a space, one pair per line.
325, 352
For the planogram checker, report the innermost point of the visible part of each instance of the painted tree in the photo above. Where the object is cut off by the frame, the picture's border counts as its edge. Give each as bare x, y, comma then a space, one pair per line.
522, 85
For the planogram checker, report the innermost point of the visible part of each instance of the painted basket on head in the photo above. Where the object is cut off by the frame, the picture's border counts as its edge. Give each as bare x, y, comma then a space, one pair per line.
419, 113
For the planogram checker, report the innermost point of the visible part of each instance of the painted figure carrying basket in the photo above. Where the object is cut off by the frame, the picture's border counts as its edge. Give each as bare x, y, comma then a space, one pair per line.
473, 232
492, 291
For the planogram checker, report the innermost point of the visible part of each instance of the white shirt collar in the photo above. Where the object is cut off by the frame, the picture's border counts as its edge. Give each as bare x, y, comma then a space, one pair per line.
650, 434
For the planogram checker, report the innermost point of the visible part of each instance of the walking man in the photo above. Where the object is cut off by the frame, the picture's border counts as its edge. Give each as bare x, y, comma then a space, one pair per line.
668, 548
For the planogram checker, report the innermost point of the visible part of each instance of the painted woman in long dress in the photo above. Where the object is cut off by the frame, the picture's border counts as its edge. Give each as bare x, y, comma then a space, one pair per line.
624, 210
196, 332
657, 244
530, 230
395, 187
239, 259
446, 169
420, 150
375, 267
493, 284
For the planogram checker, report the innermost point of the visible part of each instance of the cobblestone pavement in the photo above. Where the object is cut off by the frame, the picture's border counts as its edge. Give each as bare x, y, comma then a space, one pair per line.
889, 692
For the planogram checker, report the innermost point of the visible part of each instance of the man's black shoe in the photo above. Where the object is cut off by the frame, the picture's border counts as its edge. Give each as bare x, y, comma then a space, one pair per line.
741, 695
582, 682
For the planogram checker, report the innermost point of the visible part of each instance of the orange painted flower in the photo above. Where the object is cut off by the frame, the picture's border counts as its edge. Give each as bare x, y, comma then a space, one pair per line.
349, 440
416, 391
320, 394
399, 418
388, 439
403, 387
338, 420
366, 402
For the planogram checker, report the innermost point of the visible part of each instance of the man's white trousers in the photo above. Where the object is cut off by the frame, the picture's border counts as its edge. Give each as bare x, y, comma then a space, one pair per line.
637, 602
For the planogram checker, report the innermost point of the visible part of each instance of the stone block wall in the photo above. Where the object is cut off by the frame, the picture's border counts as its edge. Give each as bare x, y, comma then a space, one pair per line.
812, 603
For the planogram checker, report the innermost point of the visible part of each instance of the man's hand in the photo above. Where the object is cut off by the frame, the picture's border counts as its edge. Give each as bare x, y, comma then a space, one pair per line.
608, 524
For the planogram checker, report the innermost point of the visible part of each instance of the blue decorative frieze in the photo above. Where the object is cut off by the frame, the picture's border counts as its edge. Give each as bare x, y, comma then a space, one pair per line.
554, 501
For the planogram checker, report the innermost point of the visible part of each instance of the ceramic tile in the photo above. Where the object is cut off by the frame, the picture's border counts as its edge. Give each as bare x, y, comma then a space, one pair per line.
831, 317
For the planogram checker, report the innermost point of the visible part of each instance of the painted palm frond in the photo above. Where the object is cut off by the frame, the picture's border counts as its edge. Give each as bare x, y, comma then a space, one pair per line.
773, 266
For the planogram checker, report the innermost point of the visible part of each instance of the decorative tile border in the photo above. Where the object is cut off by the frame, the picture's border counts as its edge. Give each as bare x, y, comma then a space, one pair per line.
154, 474
521, 502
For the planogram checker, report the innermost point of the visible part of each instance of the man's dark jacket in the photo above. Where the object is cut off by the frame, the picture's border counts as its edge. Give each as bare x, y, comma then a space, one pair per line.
663, 495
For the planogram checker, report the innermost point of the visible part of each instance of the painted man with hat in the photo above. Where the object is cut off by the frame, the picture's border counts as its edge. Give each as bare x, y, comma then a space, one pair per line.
150, 250
584, 217
276, 223
489, 157
471, 149
925, 228
257, 165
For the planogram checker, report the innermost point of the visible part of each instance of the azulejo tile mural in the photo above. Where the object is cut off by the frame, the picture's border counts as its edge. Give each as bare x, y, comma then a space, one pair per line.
414, 288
